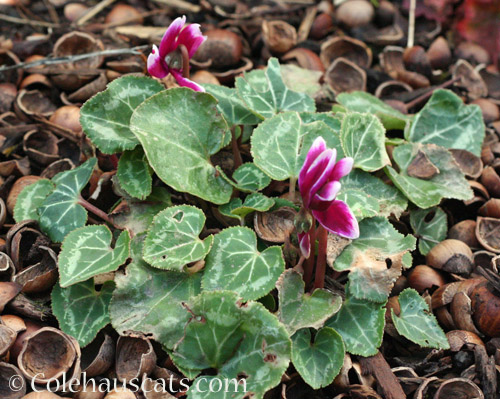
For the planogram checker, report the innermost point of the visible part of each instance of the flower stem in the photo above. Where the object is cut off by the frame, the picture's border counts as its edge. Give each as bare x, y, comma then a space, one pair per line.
291, 188
309, 265
319, 280
185, 60
98, 212
238, 161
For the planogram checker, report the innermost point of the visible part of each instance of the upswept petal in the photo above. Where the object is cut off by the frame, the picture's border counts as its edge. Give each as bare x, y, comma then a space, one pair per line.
324, 177
169, 41
191, 37
338, 219
322, 199
317, 147
185, 82
342, 168
304, 244
317, 175
156, 65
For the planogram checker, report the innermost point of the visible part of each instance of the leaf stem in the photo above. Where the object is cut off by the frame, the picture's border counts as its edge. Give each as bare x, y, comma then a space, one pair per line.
238, 161
291, 188
319, 279
309, 264
98, 212
426, 95
185, 60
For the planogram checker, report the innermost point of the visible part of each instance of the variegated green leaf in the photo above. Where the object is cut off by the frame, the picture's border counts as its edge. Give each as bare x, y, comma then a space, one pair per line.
369, 196
361, 325
300, 310
60, 212
265, 93
280, 144
363, 138
430, 227
360, 101
318, 363
81, 310
134, 173
86, 252
449, 182
105, 118
234, 263
446, 121
173, 238
31, 198
235, 340
370, 277
151, 301
417, 323
179, 130
231, 106
247, 178
238, 209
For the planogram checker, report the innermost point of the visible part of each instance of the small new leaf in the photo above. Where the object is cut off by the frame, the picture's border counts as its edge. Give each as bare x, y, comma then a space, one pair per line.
299, 310
430, 226
82, 311
173, 238
247, 178
417, 323
238, 209
134, 173
86, 252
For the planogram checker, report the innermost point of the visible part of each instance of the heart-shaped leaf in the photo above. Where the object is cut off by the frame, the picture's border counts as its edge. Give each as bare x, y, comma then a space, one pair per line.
371, 277
238, 341
446, 121
363, 138
280, 144
134, 173
360, 101
172, 240
234, 263
81, 310
369, 196
231, 106
179, 130
247, 178
238, 209
361, 325
150, 301
447, 182
265, 93
417, 323
105, 118
299, 310
31, 198
86, 252
61, 213
430, 226
318, 363
301, 80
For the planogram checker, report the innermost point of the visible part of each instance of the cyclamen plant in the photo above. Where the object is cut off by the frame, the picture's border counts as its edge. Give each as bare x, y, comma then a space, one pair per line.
179, 281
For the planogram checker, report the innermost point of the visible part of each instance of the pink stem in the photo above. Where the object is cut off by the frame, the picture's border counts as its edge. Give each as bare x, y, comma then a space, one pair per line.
319, 280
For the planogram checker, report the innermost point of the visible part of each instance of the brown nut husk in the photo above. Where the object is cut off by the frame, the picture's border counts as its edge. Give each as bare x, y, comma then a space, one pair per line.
489, 109
354, 13
344, 76
469, 79
486, 310
465, 231
41, 395
120, 393
279, 36
41, 146
473, 53
41, 276
461, 311
8, 93
98, 357
423, 277
439, 53
68, 117
451, 255
460, 338
346, 47
222, 49
16, 189
470, 164
30, 103
416, 60
491, 208
275, 226
305, 58
7, 338
491, 180
487, 233
134, 358
8, 291
49, 354
12, 383
458, 388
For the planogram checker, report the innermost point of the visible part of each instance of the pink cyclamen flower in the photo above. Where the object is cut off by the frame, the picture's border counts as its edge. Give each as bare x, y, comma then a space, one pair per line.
319, 185
168, 58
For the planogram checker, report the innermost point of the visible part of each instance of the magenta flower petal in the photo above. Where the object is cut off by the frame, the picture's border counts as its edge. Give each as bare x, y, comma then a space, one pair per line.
317, 147
169, 41
338, 219
342, 168
185, 82
304, 244
156, 65
192, 38
328, 165
322, 199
